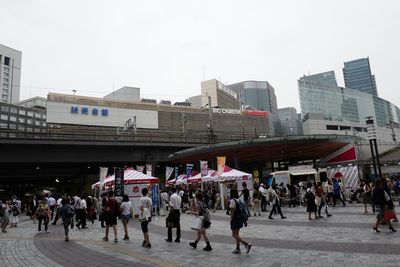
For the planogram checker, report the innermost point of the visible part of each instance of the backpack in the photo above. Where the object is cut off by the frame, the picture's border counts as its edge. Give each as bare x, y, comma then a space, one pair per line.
206, 215
241, 213
70, 211
15, 210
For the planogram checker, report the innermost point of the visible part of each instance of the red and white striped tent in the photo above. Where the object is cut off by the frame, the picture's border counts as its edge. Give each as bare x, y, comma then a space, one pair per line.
181, 179
233, 174
131, 176
211, 176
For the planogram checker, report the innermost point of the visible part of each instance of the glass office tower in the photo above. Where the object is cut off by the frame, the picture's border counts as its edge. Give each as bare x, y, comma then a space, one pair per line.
323, 77
357, 75
345, 104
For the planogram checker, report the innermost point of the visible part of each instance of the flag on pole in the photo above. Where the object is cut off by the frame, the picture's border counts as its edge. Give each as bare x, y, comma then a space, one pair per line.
221, 164
149, 169
103, 174
168, 172
189, 168
176, 173
203, 168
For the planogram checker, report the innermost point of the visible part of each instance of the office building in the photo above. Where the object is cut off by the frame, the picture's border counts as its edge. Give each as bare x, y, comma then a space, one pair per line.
357, 75
259, 95
328, 109
221, 96
10, 74
327, 77
290, 124
36, 102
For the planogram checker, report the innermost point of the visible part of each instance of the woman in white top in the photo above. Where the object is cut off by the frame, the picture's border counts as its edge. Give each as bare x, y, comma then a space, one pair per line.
125, 214
145, 206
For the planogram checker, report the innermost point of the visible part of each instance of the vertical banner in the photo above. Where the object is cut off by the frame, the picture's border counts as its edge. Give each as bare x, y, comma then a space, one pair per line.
176, 173
140, 168
189, 168
221, 164
155, 196
148, 169
119, 182
103, 174
203, 168
168, 172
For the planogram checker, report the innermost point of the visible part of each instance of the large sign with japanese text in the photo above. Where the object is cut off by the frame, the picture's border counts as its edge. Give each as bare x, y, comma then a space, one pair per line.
77, 114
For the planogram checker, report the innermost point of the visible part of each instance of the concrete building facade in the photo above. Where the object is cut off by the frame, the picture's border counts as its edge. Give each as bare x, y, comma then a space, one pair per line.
10, 74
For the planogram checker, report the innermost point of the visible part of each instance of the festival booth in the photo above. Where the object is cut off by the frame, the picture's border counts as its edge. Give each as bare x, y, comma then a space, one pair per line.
134, 182
211, 176
232, 177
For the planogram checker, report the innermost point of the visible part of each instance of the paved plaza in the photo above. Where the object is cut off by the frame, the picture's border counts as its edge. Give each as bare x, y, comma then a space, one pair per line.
346, 239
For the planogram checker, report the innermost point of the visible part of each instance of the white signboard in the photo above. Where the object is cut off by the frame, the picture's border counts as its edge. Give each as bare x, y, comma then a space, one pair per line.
99, 116
227, 111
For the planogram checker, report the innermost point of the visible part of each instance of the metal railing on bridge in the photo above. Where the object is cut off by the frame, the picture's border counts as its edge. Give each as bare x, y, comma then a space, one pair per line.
142, 136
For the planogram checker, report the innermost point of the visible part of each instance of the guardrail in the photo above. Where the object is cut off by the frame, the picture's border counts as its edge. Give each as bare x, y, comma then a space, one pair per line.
144, 136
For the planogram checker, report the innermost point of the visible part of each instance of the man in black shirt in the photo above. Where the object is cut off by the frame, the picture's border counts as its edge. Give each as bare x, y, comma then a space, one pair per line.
246, 197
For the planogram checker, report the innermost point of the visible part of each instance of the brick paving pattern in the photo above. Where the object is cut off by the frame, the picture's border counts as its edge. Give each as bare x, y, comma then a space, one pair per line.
346, 239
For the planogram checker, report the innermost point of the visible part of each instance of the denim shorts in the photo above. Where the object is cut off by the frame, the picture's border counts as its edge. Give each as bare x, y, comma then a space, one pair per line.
125, 218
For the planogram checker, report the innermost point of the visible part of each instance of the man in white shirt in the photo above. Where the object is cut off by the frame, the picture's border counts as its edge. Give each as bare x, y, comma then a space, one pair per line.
80, 207
173, 219
263, 192
51, 201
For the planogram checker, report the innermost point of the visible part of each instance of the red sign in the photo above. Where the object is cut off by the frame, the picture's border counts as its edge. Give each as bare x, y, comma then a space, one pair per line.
255, 113
136, 189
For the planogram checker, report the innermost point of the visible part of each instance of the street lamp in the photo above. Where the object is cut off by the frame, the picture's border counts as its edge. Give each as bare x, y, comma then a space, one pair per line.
374, 146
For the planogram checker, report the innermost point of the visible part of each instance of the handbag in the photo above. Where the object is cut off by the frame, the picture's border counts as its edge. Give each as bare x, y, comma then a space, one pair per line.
389, 215
196, 223
144, 216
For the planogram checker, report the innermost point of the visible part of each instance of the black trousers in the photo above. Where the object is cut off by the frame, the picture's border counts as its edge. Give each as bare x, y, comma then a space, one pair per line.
276, 207
45, 220
81, 217
174, 219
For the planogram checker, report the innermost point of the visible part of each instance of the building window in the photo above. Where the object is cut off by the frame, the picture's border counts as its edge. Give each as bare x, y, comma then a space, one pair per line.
345, 128
30, 113
332, 127
22, 112
13, 110
7, 75
4, 117
4, 96
29, 121
21, 120
4, 109
5, 80
37, 123
6, 69
29, 129
21, 127
3, 125
7, 61
12, 126
13, 118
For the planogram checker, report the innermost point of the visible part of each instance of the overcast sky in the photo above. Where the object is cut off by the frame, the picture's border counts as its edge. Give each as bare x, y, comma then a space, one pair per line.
166, 47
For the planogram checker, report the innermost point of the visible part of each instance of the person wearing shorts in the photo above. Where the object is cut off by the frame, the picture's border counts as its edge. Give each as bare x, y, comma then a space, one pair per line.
125, 214
145, 206
111, 216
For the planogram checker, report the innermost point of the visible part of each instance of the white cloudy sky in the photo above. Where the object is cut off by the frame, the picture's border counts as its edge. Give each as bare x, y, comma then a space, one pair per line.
162, 46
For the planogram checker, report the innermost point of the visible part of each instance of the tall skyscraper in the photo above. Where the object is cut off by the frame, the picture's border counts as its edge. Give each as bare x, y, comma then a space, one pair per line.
10, 74
323, 77
259, 95
357, 75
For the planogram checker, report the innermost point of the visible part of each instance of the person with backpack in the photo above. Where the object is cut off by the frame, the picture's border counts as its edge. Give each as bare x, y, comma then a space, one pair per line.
239, 217
43, 214
111, 213
15, 211
274, 200
201, 210
67, 212
246, 197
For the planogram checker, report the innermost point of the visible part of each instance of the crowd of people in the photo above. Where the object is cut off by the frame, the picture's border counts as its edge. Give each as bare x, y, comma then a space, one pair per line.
76, 211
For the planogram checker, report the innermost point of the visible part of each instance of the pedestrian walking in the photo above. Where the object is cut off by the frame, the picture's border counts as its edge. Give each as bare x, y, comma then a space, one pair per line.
111, 212
15, 211
274, 200
67, 212
310, 198
4, 215
238, 220
173, 219
43, 215
145, 206
125, 214
381, 201
367, 196
337, 192
257, 201
246, 196
201, 212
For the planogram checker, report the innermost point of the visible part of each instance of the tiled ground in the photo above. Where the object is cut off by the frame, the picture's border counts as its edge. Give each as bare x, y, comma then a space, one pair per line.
346, 239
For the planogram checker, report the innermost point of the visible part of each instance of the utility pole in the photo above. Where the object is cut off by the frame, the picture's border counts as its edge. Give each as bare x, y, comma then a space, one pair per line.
210, 120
